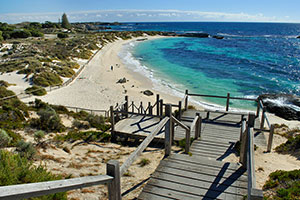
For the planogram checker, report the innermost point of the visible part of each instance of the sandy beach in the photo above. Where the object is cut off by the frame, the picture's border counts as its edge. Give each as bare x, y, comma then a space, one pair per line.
96, 86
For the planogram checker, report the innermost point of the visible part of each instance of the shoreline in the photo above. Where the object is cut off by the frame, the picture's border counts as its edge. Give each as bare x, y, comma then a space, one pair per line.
96, 86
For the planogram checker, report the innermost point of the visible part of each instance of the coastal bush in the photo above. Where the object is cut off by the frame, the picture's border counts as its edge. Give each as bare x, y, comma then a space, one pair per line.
15, 169
46, 79
36, 33
64, 71
36, 90
4, 139
81, 115
62, 35
39, 135
48, 121
88, 136
98, 122
80, 125
26, 149
292, 146
283, 185
20, 34
1, 37
4, 83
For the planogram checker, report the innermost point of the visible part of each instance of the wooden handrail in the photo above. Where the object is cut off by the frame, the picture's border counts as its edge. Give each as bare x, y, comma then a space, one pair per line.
142, 146
253, 192
22, 191
221, 97
180, 123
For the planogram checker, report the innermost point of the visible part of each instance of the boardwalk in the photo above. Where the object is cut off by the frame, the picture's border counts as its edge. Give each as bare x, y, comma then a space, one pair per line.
203, 175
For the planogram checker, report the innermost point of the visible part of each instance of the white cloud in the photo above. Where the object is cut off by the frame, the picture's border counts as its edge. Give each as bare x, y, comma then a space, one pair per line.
141, 15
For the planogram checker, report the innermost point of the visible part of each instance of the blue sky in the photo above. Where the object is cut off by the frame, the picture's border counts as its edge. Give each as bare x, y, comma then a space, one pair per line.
13, 11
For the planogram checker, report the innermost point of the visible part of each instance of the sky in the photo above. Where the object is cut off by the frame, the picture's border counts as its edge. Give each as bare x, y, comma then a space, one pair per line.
15, 11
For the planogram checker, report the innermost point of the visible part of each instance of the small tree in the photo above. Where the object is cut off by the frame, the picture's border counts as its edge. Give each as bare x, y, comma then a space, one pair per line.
65, 22
1, 37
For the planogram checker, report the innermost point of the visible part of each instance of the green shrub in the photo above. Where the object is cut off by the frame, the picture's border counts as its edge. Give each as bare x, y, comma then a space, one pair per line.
98, 122
49, 121
82, 115
4, 139
283, 184
36, 90
80, 125
36, 33
65, 71
62, 35
20, 34
47, 79
15, 169
26, 149
4, 83
144, 161
39, 135
292, 146
1, 37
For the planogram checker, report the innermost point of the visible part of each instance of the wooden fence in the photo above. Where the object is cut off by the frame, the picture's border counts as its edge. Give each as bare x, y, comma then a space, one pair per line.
22, 191
260, 109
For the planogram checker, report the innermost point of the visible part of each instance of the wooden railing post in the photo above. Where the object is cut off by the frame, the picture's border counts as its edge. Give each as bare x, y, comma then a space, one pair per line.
262, 123
161, 105
270, 141
126, 106
227, 102
251, 120
132, 106
112, 121
186, 100
258, 107
243, 148
198, 126
150, 111
187, 141
114, 187
168, 131
157, 104
243, 128
179, 110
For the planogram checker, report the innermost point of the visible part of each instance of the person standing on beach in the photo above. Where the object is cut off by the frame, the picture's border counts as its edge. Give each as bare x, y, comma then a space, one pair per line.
111, 68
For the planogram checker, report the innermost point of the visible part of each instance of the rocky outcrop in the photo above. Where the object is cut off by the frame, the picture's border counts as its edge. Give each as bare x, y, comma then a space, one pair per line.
282, 105
122, 80
218, 37
298, 37
198, 35
148, 93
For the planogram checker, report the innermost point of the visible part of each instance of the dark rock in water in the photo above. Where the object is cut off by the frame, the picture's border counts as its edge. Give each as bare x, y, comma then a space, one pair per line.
199, 35
298, 37
282, 105
148, 93
122, 80
218, 37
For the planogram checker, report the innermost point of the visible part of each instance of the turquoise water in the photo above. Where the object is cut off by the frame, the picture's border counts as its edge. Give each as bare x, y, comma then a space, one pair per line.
249, 61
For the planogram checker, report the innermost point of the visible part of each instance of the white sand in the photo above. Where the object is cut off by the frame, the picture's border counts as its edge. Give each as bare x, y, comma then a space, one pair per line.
96, 87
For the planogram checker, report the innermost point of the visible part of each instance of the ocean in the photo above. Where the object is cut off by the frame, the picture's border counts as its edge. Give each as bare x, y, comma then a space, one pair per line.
252, 59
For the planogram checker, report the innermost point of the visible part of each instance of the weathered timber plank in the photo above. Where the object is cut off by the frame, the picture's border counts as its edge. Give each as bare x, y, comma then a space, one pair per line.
190, 189
207, 152
153, 196
206, 170
207, 146
197, 161
202, 177
210, 148
166, 192
215, 143
215, 185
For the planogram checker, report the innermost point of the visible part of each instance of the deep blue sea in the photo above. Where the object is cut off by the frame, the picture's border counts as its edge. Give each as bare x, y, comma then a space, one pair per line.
252, 59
